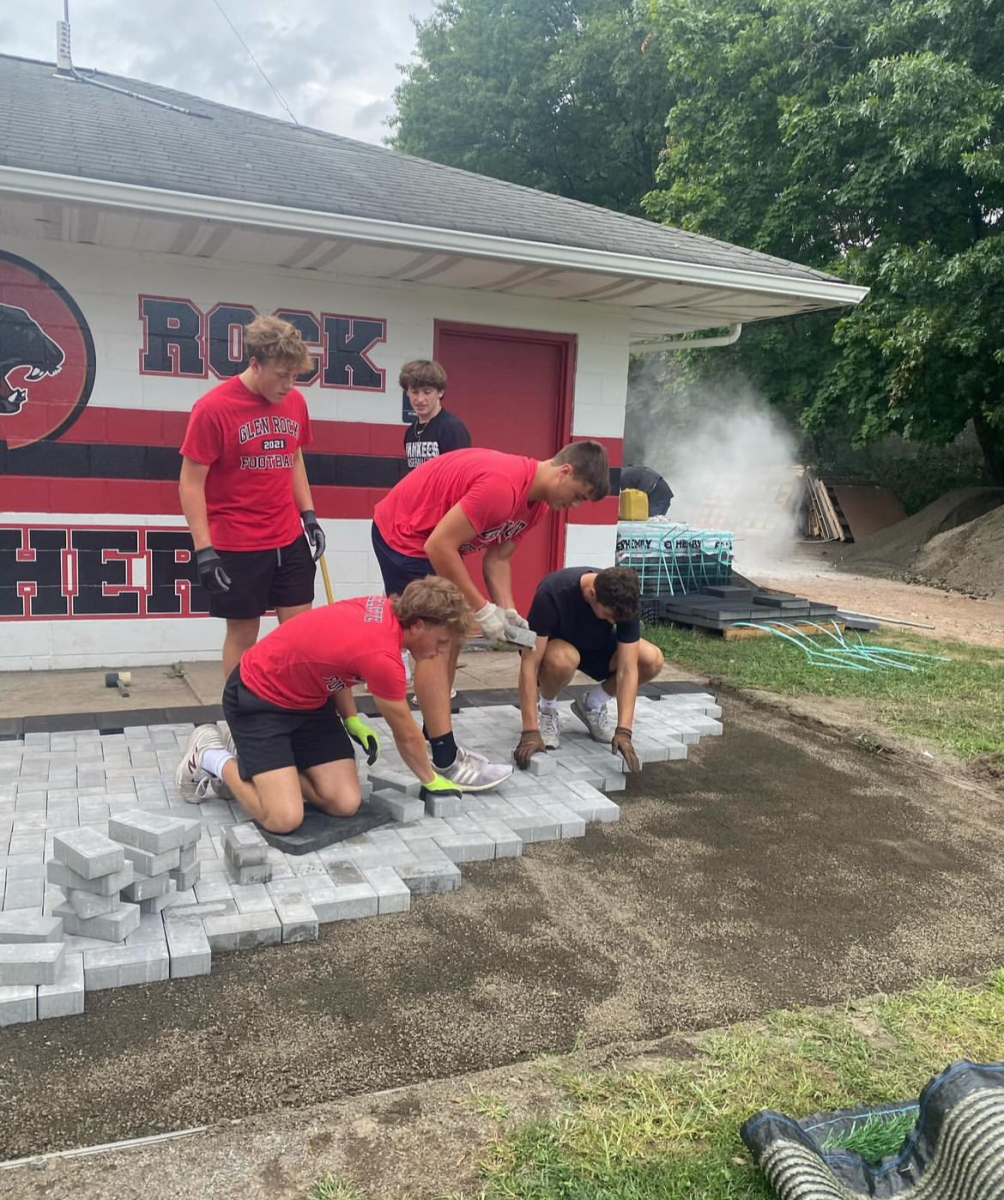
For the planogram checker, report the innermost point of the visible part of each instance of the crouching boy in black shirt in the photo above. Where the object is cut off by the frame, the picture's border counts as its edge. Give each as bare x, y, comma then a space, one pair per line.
585, 620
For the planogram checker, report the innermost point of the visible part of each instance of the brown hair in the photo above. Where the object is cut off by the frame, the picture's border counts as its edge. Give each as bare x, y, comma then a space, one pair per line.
437, 602
589, 464
270, 340
617, 588
422, 373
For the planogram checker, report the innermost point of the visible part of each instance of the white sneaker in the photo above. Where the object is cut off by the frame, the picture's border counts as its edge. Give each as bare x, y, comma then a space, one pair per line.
549, 724
474, 773
189, 772
596, 720
218, 786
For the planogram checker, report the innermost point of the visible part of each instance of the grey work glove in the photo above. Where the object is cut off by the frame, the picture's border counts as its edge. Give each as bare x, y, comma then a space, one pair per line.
513, 617
212, 575
314, 532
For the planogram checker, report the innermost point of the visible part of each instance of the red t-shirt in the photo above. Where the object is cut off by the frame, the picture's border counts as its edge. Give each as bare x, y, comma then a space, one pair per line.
312, 655
249, 446
490, 487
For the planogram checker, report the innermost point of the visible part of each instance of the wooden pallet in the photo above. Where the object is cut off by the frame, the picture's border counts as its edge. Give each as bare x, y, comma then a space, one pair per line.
740, 633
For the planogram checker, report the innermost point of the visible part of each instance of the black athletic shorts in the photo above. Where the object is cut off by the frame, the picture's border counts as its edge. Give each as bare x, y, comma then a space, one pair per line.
398, 570
265, 579
268, 737
595, 661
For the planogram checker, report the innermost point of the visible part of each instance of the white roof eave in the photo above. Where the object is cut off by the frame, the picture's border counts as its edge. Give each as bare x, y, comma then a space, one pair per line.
70, 189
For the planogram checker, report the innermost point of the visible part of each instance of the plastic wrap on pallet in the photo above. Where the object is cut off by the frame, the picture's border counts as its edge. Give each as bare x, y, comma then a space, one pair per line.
672, 558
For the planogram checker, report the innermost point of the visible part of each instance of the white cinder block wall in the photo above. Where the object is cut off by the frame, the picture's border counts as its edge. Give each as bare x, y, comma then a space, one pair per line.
107, 284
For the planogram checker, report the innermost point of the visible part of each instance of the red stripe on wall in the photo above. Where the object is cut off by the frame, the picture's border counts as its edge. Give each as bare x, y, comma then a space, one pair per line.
141, 427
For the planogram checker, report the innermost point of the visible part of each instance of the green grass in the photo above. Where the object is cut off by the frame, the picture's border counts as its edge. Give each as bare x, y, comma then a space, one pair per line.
876, 1136
957, 705
671, 1132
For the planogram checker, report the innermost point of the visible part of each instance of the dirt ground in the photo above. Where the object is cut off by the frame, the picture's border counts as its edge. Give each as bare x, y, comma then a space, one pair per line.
741, 879
811, 572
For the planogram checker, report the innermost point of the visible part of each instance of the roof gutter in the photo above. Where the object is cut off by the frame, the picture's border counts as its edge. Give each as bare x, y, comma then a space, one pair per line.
687, 343
71, 189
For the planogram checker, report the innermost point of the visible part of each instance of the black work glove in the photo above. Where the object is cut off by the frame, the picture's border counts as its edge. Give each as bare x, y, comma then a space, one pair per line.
530, 743
314, 532
212, 576
621, 744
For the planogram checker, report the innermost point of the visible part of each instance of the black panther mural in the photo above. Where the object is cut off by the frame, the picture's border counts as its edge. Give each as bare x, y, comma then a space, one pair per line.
46, 360
23, 343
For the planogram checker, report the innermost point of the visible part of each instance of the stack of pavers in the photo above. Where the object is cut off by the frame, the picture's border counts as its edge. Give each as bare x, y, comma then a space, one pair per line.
38, 977
147, 860
718, 607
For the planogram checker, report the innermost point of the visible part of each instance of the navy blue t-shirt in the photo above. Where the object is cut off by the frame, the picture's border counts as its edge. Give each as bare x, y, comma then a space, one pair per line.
559, 610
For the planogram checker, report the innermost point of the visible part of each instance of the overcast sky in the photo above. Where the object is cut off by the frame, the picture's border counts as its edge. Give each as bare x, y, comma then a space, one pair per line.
334, 61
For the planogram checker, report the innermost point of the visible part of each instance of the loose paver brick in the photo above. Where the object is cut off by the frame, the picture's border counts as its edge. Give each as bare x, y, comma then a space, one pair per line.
124, 966
64, 997
243, 931
109, 927
189, 948
297, 916
29, 962
103, 885
88, 852
18, 1004
24, 926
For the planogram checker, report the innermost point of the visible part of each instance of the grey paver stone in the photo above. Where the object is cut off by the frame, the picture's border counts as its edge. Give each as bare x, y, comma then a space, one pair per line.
64, 997
189, 948
20, 925
110, 927
426, 877
124, 966
29, 962
18, 1004
90, 904
397, 805
244, 845
149, 864
396, 781
103, 885
297, 916
88, 852
146, 887
156, 833
392, 893
243, 931
185, 878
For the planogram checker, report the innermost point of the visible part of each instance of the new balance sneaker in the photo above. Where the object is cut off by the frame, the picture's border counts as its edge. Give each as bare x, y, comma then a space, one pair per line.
549, 724
189, 776
596, 720
474, 773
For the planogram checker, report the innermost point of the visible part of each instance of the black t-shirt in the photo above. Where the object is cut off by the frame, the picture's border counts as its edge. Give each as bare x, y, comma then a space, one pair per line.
443, 433
652, 483
559, 610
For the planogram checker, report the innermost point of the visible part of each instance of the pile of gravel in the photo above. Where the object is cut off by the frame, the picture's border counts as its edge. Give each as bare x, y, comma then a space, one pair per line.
956, 542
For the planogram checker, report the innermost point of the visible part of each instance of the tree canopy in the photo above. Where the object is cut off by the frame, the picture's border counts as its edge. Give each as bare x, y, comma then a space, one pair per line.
864, 138
861, 137
562, 95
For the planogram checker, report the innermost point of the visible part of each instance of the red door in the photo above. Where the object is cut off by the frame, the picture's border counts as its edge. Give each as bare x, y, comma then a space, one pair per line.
512, 388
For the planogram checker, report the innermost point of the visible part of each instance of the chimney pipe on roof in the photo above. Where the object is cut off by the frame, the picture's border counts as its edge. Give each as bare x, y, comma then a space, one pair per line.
64, 60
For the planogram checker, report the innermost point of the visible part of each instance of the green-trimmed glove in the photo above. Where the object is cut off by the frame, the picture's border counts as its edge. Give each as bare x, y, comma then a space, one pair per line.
364, 737
440, 786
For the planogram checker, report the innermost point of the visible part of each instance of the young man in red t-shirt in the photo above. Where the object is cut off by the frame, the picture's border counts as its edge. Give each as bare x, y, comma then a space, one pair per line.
244, 489
291, 713
456, 504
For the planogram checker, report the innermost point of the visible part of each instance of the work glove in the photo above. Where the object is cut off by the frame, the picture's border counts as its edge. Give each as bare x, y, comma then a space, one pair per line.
530, 743
314, 532
364, 737
440, 786
212, 576
513, 617
492, 620
621, 744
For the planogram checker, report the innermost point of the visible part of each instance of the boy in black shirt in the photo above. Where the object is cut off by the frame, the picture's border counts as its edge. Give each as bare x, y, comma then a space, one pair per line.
434, 430
585, 620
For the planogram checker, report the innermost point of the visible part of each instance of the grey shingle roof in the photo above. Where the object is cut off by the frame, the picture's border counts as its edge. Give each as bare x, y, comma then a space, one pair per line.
58, 125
